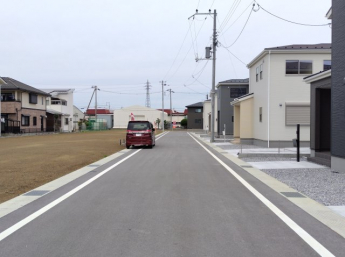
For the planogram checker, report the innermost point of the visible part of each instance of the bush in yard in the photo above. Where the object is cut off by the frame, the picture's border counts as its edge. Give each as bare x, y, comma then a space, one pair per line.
184, 123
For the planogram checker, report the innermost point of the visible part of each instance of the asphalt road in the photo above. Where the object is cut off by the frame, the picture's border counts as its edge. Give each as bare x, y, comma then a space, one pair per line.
172, 200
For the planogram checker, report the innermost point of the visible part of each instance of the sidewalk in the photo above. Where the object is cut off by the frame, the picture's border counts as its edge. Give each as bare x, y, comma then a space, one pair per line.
312, 180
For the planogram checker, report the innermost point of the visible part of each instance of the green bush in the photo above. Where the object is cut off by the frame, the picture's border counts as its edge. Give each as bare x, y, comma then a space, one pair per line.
184, 123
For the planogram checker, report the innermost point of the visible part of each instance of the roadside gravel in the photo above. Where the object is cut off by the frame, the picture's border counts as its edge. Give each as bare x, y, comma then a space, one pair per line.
322, 185
270, 159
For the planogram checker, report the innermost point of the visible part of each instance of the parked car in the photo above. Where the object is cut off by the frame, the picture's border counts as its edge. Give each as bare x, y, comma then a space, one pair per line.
140, 133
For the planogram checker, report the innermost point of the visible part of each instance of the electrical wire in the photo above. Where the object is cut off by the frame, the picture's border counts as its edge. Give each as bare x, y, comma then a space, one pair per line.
229, 14
223, 32
297, 23
235, 56
241, 30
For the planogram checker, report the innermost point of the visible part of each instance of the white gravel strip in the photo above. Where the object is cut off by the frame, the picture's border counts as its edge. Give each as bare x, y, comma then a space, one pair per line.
322, 185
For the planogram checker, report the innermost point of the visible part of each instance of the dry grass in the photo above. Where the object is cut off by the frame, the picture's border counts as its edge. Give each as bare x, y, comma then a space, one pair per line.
30, 161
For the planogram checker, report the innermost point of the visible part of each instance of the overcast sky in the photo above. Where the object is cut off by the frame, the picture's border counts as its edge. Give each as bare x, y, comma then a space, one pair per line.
119, 45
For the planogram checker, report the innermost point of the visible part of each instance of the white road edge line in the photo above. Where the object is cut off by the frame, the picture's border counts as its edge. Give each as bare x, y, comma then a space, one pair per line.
46, 208
312, 242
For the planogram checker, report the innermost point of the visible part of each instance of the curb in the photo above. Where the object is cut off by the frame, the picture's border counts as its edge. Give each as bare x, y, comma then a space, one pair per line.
320, 212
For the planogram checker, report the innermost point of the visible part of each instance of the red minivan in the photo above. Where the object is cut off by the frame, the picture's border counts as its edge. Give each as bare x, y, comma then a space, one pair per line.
140, 133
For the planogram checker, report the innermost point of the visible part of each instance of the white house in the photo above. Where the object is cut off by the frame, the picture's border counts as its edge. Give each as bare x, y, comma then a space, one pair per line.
60, 109
278, 99
77, 116
122, 116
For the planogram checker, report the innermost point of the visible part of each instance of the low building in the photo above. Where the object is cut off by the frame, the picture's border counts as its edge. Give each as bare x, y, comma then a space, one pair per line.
102, 114
78, 115
23, 108
174, 117
122, 116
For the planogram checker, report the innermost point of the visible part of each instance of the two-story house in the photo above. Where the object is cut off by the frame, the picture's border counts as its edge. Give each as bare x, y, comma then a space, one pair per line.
195, 117
278, 99
23, 108
60, 109
227, 91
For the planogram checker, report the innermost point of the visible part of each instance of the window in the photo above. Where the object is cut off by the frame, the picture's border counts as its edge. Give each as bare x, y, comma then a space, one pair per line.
260, 114
297, 114
7, 97
47, 102
198, 110
25, 120
257, 74
34, 121
299, 67
42, 100
237, 92
327, 65
32, 98
64, 102
197, 121
66, 121
261, 68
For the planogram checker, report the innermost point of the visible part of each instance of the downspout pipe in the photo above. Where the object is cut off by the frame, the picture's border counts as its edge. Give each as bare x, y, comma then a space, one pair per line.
268, 99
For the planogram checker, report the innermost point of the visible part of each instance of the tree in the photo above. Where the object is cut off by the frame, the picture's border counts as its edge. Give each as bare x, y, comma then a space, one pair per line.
158, 120
184, 123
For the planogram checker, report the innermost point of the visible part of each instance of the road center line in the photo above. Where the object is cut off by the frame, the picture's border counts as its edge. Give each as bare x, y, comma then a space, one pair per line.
312, 242
46, 208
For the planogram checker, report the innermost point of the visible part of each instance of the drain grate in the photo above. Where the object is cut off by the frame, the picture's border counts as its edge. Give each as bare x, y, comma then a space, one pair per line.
94, 165
246, 166
37, 193
292, 194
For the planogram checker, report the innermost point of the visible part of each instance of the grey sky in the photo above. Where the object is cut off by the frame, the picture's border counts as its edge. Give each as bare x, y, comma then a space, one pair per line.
119, 45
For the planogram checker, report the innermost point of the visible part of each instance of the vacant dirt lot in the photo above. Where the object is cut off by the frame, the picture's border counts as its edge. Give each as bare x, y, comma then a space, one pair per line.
30, 161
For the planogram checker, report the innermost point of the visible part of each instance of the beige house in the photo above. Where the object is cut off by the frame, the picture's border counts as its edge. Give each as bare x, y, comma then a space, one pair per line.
278, 99
23, 108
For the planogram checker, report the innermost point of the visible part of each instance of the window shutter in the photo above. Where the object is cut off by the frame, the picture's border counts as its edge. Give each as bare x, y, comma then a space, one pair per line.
297, 114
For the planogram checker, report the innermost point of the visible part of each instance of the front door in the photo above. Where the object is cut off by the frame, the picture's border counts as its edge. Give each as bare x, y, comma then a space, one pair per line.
42, 128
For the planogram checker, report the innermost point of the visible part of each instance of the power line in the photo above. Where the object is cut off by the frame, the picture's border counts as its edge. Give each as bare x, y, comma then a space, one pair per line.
235, 56
297, 23
241, 30
223, 32
229, 14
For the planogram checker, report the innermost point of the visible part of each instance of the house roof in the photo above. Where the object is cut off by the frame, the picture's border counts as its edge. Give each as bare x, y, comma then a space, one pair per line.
2, 81
318, 76
234, 81
55, 92
174, 113
199, 104
297, 48
294, 47
329, 14
99, 111
12, 84
242, 98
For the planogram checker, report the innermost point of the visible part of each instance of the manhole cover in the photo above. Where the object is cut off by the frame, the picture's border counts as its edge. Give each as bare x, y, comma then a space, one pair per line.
37, 193
292, 194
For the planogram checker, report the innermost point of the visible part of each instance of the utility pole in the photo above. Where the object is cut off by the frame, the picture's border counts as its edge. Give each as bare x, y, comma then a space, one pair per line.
162, 121
214, 48
170, 108
95, 90
148, 102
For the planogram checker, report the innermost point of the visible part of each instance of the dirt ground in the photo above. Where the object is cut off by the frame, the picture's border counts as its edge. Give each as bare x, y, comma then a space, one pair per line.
27, 162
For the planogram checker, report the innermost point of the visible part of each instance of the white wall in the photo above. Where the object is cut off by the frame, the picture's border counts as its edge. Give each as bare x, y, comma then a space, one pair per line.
122, 116
283, 88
